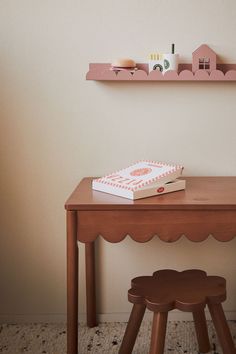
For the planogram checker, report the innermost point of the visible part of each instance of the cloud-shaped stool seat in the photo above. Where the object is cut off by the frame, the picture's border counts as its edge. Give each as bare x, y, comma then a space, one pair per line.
190, 291
166, 290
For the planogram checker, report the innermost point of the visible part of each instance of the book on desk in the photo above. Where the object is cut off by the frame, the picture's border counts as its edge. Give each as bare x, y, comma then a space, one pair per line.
142, 179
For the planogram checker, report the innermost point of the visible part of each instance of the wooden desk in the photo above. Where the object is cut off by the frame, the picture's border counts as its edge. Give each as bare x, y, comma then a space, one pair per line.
207, 206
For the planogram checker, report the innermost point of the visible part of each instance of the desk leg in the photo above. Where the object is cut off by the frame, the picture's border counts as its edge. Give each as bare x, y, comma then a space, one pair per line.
72, 283
90, 284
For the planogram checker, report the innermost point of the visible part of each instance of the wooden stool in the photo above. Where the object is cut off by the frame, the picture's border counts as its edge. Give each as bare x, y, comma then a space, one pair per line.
187, 291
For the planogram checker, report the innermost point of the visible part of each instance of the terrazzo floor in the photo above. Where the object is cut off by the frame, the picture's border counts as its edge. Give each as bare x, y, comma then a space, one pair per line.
105, 339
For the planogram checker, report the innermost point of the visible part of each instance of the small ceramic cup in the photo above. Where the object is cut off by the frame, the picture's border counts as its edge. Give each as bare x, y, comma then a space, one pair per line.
171, 62
164, 62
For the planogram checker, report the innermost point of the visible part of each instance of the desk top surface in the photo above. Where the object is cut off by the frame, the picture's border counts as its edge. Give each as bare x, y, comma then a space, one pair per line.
205, 193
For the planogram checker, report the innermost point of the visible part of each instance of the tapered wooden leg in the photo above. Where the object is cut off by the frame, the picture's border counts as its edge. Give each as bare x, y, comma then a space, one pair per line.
132, 329
72, 283
158, 333
90, 284
222, 328
201, 331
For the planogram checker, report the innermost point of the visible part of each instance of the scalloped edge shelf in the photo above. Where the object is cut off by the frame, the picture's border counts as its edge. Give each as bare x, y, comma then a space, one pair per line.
102, 72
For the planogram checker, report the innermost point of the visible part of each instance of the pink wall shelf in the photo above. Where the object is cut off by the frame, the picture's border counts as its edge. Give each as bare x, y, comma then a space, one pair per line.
102, 72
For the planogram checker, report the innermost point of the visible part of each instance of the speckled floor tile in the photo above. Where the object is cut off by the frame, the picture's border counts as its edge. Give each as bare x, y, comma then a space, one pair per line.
104, 339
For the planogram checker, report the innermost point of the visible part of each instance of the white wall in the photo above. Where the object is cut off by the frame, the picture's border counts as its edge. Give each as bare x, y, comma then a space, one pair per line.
57, 128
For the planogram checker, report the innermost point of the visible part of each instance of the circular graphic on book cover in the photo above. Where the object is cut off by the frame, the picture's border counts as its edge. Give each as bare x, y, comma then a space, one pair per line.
141, 172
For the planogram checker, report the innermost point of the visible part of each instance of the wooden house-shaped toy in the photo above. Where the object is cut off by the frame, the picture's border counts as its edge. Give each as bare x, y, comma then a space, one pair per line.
204, 58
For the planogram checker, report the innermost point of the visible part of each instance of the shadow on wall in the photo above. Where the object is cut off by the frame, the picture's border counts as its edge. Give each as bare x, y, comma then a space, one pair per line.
26, 247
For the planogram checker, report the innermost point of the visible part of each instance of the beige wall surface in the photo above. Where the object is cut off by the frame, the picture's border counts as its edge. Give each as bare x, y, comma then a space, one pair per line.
56, 128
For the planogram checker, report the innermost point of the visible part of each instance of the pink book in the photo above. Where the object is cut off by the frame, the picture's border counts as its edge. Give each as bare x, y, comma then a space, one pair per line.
141, 179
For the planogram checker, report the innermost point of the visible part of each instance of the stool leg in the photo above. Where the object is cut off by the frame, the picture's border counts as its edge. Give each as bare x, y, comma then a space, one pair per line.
132, 329
158, 332
201, 331
222, 328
